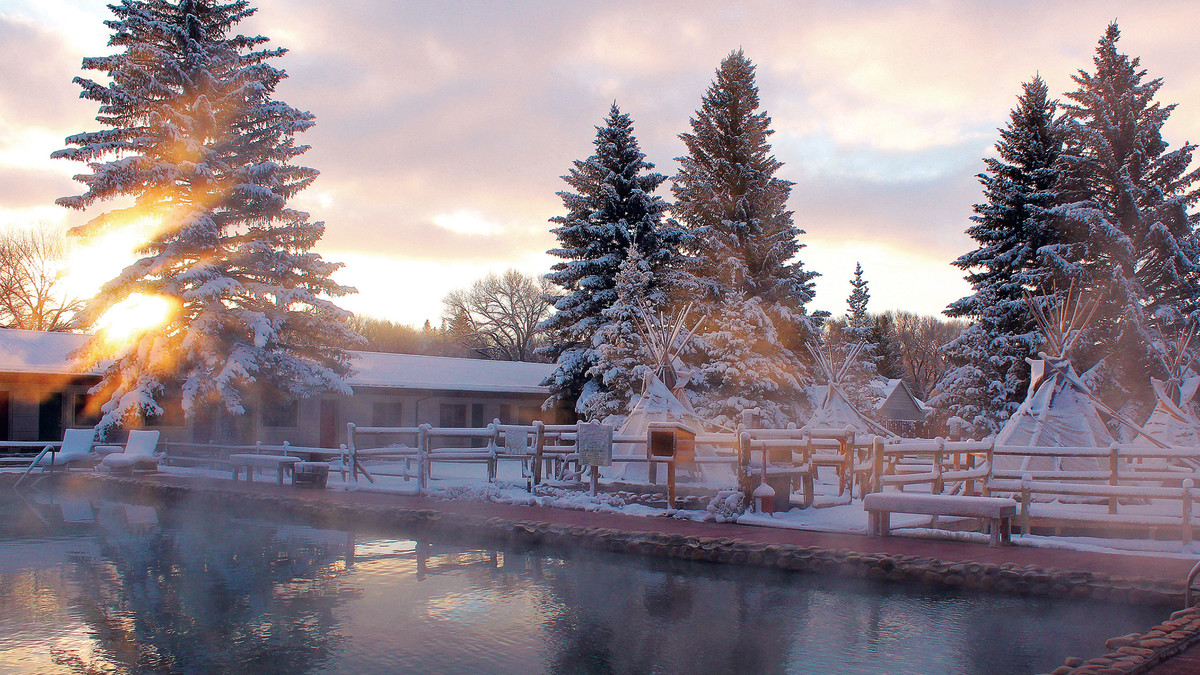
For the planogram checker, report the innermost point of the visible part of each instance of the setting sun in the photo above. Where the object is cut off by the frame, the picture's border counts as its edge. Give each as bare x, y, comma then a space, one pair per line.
133, 316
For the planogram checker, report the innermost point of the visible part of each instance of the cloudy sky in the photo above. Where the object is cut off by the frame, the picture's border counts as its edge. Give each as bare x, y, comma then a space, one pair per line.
443, 127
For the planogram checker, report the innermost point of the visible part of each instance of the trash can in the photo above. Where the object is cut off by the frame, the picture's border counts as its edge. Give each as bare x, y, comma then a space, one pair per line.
311, 474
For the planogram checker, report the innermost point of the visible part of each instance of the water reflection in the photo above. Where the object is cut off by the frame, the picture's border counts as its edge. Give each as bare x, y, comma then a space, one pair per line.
97, 586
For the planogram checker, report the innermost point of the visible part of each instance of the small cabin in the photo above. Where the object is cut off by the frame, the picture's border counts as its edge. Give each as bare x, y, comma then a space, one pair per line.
899, 410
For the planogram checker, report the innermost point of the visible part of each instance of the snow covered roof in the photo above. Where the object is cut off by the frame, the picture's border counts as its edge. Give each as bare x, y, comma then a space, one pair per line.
886, 388
31, 351
412, 371
26, 351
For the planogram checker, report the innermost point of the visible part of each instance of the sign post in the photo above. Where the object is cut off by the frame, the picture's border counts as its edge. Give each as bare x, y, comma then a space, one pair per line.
594, 443
674, 443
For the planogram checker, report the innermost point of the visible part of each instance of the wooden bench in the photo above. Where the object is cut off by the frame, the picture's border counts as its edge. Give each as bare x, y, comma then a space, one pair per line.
281, 464
998, 511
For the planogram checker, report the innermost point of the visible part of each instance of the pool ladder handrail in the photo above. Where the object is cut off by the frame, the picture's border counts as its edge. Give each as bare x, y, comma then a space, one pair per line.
1190, 585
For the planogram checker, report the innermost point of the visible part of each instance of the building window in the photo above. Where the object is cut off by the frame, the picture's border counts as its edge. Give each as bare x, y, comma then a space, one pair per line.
5, 433
387, 414
453, 415
526, 414
281, 414
506, 414
87, 410
50, 418
172, 413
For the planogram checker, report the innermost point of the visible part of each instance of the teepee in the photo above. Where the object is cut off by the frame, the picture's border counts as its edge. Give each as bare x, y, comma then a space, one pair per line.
663, 399
1172, 421
1059, 410
833, 409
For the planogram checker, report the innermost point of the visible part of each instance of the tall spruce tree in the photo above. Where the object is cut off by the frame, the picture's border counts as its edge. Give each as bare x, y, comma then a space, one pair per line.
1130, 239
988, 375
859, 329
858, 321
610, 207
195, 140
749, 287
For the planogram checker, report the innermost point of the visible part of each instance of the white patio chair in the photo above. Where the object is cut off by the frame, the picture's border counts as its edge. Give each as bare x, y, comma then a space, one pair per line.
76, 451
138, 454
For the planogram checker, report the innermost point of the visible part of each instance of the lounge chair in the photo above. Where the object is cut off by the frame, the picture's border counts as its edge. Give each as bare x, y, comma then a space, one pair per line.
137, 455
76, 451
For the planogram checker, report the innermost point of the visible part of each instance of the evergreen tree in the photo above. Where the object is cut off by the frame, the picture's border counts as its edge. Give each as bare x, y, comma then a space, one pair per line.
857, 319
195, 140
748, 285
1130, 240
610, 208
858, 382
622, 360
987, 376
886, 346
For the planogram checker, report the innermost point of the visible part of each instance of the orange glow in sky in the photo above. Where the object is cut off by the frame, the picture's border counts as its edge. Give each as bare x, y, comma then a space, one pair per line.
133, 316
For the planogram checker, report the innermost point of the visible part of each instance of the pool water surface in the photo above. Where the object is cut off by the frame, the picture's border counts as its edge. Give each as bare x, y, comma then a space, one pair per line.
99, 586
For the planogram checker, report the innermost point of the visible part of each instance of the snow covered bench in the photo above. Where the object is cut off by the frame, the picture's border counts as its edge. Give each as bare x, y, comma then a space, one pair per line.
998, 511
281, 464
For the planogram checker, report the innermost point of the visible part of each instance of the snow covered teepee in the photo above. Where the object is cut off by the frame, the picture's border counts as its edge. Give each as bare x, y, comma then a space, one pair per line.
1059, 410
1173, 421
834, 410
662, 399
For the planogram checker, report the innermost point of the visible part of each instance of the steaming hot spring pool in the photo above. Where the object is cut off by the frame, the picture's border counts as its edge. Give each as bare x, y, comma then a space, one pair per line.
96, 586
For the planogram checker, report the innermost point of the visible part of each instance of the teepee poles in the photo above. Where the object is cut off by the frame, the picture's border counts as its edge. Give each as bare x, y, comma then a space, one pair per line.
1061, 322
662, 337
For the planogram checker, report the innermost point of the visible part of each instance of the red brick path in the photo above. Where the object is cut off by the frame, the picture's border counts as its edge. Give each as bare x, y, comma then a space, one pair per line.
1116, 564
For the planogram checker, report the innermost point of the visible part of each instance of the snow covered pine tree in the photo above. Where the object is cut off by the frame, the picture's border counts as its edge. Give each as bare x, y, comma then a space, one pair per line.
203, 151
1129, 236
622, 360
987, 375
611, 208
859, 329
749, 289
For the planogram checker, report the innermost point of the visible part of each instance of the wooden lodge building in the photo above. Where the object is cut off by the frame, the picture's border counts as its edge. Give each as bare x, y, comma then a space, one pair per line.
42, 393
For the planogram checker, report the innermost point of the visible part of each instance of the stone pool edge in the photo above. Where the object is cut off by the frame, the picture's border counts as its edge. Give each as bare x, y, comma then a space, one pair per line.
1130, 655
1139, 653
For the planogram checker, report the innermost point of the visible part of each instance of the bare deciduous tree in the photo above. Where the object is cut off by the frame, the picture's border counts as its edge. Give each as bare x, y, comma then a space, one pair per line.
920, 339
498, 316
388, 336
32, 296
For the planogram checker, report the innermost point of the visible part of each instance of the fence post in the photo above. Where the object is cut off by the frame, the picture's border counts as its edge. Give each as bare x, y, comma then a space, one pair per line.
1187, 511
877, 465
423, 456
353, 451
492, 461
1113, 474
984, 490
539, 443
1025, 487
939, 455
743, 469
